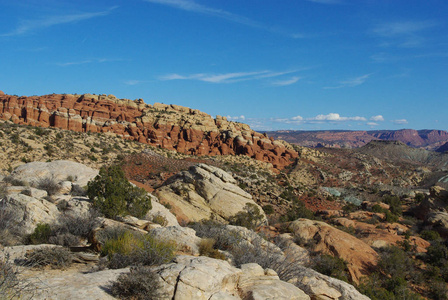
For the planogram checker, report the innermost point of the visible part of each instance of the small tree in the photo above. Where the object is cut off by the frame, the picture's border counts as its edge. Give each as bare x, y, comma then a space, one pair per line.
113, 195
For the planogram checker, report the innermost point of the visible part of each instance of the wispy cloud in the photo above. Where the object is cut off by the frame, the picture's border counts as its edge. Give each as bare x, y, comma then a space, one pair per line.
406, 34
400, 121
290, 81
231, 77
192, 6
87, 61
350, 82
326, 1
372, 124
27, 26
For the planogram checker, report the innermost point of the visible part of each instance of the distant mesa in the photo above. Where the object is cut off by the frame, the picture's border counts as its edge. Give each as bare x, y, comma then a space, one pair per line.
427, 139
443, 148
172, 127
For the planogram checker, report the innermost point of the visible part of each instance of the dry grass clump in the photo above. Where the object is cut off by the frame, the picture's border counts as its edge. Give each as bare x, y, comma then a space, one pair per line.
56, 257
207, 248
128, 248
141, 283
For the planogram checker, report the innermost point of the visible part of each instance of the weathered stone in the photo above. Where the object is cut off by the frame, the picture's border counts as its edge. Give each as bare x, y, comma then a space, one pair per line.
202, 192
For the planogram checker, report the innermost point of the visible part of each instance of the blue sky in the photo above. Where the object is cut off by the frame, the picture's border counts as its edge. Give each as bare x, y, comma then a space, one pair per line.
274, 64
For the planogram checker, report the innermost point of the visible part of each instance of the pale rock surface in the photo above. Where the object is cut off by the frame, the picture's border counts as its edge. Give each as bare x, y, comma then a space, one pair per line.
32, 211
208, 278
322, 287
32, 192
160, 210
184, 237
358, 255
59, 170
202, 192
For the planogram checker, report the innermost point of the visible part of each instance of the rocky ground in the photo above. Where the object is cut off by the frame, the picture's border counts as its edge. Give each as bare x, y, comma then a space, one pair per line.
330, 225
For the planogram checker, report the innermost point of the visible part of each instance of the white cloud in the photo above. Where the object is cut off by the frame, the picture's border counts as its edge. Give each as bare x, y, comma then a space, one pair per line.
27, 26
372, 124
228, 77
290, 81
237, 118
400, 121
377, 118
335, 118
351, 82
297, 118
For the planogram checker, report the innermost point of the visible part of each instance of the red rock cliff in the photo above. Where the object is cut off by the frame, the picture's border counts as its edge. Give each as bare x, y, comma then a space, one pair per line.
173, 127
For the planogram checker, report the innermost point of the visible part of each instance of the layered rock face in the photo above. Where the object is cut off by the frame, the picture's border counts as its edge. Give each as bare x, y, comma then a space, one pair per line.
173, 127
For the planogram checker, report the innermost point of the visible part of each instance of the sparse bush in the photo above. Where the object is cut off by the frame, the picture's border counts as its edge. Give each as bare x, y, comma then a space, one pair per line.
251, 218
113, 195
48, 184
71, 228
9, 219
224, 239
161, 220
78, 190
206, 248
131, 249
9, 283
40, 235
141, 283
56, 257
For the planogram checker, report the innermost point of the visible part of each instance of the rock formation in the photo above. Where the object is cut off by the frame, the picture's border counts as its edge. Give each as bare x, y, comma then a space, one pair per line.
173, 127
202, 192
359, 256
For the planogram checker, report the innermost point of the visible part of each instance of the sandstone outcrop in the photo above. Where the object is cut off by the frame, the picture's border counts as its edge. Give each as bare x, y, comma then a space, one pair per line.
359, 256
59, 170
207, 278
173, 127
203, 192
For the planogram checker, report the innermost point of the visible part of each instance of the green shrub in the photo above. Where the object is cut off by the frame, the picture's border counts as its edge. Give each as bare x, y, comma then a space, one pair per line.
113, 195
430, 235
40, 235
131, 249
141, 283
206, 248
331, 266
268, 209
251, 218
56, 257
394, 204
297, 211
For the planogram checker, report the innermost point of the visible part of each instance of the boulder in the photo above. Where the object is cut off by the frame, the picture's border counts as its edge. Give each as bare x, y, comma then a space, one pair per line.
59, 170
359, 256
207, 278
322, 287
32, 211
185, 238
203, 192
